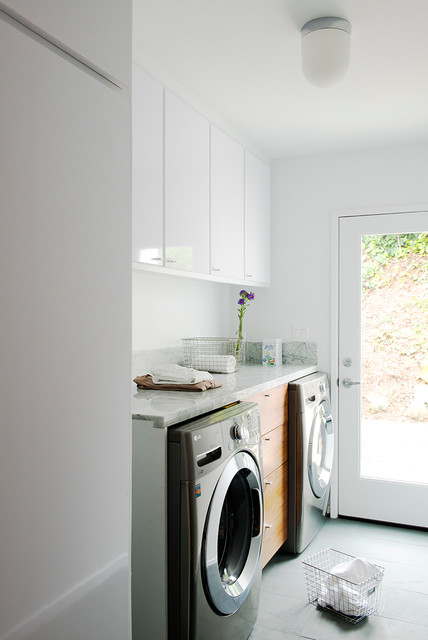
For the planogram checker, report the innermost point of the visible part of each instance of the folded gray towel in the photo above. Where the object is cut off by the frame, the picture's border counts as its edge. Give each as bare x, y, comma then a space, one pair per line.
146, 382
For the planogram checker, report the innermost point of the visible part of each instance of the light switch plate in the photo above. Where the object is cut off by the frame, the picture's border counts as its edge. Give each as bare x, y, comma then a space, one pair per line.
300, 334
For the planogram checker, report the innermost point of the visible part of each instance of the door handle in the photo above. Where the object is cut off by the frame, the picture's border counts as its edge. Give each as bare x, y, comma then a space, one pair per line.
347, 382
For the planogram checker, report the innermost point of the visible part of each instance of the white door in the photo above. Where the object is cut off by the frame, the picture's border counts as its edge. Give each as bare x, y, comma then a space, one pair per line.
383, 419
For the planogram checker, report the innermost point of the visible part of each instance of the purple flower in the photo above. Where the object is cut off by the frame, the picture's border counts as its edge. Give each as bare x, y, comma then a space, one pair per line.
243, 302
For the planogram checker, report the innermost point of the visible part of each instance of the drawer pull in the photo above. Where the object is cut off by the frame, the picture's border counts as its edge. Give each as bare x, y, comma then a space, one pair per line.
268, 482
268, 438
268, 526
267, 395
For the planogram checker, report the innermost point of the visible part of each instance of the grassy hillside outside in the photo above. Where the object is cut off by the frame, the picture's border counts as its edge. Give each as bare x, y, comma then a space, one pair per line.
395, 327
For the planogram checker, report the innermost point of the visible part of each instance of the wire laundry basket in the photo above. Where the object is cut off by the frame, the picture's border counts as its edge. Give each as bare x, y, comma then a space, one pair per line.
348, 600
219, 355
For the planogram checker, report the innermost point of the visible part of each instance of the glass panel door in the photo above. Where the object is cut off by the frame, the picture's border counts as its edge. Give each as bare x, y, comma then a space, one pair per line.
383, 351
394, 357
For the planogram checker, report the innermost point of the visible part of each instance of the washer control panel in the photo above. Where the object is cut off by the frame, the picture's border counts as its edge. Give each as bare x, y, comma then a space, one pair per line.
245, 427
239, 431
207, 441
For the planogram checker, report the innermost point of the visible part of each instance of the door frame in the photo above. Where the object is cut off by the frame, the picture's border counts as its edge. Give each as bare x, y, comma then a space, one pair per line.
334, 330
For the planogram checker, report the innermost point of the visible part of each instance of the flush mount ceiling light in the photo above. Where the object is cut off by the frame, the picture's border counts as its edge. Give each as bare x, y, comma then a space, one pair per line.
326, 44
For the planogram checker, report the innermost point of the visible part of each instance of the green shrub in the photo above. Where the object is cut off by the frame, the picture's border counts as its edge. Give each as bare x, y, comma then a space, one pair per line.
383, 247
378, 250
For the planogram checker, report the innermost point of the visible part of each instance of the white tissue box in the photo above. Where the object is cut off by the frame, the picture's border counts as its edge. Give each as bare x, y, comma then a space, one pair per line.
272, 352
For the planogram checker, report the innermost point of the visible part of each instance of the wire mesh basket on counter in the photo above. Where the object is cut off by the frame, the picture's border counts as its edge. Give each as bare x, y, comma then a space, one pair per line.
352, 601
217, 355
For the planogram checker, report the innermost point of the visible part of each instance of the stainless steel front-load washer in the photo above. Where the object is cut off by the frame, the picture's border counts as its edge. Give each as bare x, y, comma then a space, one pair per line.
310, 458
215, 515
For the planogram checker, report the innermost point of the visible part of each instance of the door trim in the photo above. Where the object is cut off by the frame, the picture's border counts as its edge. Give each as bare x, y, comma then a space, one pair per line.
334, 331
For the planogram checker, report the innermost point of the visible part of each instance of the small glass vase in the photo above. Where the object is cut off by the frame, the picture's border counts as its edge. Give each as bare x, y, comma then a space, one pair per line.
239, 352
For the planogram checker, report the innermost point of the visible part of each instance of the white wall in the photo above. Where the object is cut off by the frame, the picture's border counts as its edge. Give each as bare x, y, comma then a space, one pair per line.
65, 348
305, 191
167, 308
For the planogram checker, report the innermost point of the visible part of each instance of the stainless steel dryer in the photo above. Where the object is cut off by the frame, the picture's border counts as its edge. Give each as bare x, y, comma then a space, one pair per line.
311, 450
215, 515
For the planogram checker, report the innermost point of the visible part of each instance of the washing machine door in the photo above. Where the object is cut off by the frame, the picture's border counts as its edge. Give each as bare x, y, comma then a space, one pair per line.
321, 449
233, 535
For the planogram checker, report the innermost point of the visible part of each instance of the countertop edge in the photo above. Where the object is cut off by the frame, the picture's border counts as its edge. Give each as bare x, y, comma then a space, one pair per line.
218, 398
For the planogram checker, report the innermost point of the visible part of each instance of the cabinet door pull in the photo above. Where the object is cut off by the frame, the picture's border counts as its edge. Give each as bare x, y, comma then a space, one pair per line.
268, 482
268, 438
268, 526
267, 395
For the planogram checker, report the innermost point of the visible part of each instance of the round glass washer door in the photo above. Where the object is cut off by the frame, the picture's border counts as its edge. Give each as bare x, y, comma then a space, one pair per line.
233, 535
321, 449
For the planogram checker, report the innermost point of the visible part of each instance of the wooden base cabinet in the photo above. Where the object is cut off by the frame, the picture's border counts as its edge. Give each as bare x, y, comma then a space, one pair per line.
273, 405
275, 509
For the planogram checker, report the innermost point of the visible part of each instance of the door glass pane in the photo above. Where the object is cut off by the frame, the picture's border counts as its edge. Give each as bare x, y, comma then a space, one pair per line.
394, 358
234, 534
321, 451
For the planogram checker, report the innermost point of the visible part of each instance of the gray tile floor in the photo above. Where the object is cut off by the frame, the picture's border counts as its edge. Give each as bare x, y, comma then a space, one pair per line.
285, 613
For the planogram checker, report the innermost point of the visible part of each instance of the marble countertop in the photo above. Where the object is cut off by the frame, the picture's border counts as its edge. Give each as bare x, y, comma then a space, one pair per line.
166, 408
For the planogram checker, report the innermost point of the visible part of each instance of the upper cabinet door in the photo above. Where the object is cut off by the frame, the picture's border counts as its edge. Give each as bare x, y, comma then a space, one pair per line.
147, 169
257, 219
187, 155
98, 32
227, 206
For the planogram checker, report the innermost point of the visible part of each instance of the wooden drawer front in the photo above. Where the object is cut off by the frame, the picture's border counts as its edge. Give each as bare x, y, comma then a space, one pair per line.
273, 405
275, 530
275, 449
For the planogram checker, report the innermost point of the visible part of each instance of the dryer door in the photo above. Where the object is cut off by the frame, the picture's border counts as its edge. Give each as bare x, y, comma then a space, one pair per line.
321, 449
233, 535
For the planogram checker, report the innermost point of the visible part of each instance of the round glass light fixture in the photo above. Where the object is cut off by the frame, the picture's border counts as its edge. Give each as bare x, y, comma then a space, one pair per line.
326, 46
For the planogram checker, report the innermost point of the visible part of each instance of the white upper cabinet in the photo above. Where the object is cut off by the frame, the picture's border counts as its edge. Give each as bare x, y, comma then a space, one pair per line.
227, 206
187, 160
257, 219
201, 203
99, 32
147, 169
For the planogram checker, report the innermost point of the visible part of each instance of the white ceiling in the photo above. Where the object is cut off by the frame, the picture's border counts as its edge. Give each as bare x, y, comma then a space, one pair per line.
242, 58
